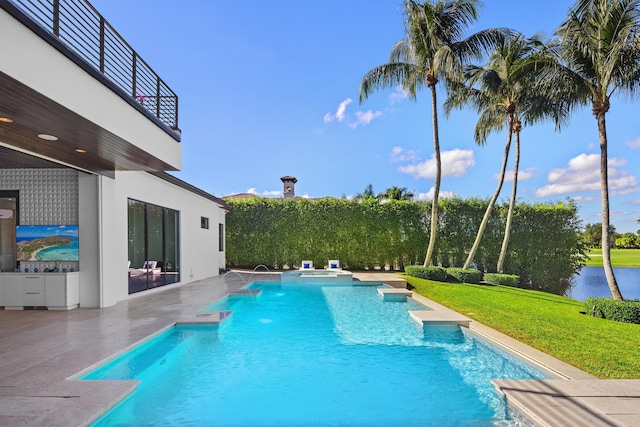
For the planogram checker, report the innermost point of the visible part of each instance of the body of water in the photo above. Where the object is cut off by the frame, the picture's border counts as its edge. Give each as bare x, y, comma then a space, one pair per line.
60, 253
591, 282
315, 355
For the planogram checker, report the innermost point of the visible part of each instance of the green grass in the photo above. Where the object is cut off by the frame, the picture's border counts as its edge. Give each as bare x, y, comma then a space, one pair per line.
550, 323
619, 258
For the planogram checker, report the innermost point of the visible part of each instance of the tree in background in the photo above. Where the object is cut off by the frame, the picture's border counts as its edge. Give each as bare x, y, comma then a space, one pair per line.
366, 194
627, 241
433, 47
592, 235
600, 42
506, 92
396, 193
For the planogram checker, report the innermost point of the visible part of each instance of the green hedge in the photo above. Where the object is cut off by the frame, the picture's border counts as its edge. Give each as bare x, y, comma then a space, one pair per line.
469, 275
502, 279
608, 308
544, 248
430, 273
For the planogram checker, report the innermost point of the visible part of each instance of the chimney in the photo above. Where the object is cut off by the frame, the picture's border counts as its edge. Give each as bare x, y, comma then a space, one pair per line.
289, 183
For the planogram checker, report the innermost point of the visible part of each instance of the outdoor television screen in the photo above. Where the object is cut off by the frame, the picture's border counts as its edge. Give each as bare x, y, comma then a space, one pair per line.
47, 243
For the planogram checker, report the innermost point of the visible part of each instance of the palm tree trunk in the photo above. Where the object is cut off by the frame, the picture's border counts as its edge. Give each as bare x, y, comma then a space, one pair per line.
436, 185
492, 202
512, 203
604, 192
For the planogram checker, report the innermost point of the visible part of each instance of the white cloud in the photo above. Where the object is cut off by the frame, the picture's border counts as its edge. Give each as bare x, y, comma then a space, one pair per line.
398, 95
635, 143
583, 174
454, 163
399, 154
579, 199
362, 117
266, 193
365, 117
429, 195
523, 175
340, 112
617, 213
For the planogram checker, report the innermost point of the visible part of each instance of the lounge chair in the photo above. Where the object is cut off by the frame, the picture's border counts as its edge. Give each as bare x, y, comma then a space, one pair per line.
149, 267
334, 264
307, 265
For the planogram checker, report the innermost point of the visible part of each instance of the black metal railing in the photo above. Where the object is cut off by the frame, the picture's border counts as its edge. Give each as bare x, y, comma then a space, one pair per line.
78, 25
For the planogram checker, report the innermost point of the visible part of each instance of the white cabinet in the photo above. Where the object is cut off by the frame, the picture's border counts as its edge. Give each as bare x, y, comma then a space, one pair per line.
55, 291
62, 291
12, 290
33, 290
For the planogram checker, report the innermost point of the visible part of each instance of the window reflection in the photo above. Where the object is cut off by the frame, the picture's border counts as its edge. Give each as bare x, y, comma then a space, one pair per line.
153, 246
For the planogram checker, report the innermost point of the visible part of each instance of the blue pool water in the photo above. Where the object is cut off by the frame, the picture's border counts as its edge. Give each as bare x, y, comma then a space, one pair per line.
314, 355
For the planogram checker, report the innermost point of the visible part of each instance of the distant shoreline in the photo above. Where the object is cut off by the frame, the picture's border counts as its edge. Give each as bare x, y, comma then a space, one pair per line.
34, 255
32, 250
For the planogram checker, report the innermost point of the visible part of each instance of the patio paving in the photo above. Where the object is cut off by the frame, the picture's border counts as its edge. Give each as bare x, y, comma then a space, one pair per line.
41, 350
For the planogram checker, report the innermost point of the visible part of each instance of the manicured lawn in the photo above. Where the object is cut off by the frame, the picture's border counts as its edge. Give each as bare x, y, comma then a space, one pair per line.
619, 258
550, 323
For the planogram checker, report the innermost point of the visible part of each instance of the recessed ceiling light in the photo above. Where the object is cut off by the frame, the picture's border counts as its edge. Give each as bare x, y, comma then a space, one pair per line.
80, 150
47, 137
6, 120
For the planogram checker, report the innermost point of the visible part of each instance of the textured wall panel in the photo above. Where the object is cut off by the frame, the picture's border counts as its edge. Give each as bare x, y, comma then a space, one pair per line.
47, 196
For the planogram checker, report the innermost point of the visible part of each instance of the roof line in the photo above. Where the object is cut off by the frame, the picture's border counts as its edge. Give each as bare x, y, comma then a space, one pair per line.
185, 185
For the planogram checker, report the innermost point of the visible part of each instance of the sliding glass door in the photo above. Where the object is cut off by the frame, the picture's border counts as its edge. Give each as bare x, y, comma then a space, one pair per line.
153, 246
8, 222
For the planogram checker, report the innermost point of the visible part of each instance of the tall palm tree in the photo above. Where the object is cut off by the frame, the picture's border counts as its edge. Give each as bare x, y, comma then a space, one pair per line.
600, 42
396, 193
433, 47
506, 92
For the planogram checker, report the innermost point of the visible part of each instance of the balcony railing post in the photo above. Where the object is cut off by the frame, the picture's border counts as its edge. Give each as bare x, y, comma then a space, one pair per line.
56, 18
158, 99
175, 119
134, 72
102, 44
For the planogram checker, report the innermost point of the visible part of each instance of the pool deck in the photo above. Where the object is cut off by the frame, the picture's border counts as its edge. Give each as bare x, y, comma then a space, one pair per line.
41, 350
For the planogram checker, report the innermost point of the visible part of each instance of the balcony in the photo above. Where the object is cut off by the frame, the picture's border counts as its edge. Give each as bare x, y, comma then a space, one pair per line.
69, 73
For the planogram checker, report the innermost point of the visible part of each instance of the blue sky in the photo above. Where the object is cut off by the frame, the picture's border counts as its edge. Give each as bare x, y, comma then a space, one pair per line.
270, 88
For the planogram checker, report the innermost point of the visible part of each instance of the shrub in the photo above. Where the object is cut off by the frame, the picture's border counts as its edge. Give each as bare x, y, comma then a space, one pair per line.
469, 275
502, 279
608, 308
431, 273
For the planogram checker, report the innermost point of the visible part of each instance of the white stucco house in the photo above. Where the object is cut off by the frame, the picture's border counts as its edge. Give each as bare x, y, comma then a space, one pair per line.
88, 132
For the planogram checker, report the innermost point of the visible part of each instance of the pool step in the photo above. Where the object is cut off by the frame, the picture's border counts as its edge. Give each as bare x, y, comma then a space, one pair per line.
246, 292
394, 294
436, 317
208, 317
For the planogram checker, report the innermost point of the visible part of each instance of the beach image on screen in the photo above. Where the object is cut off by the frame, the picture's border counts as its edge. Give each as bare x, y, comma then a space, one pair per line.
47, 243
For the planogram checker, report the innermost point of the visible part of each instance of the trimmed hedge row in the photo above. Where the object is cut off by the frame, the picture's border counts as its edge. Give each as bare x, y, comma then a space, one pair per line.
544, 248
502, 279
441, 274
607, 308
470, 275
438, 274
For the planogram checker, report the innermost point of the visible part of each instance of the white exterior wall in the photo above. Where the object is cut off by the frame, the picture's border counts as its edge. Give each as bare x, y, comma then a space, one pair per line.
104, 233
199, 254
32, 61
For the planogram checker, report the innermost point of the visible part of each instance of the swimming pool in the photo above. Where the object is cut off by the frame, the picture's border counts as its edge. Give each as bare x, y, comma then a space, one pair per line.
314, 355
